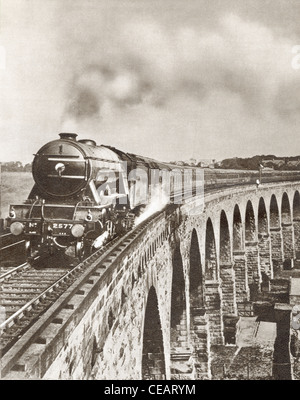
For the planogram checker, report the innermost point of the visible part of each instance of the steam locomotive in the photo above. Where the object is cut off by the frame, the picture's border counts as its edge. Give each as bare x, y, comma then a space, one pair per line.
83, 196
86, 194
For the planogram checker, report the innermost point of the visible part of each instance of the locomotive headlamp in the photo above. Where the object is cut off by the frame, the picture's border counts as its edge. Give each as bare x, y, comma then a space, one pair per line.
77, 230
60, 167
16, 228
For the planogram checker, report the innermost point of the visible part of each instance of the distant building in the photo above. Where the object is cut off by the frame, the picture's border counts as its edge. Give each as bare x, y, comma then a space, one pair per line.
200, 163
192, 161
206, 163
293, 163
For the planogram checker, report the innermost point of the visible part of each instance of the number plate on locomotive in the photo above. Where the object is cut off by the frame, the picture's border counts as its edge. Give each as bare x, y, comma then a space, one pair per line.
33, 228
61, 228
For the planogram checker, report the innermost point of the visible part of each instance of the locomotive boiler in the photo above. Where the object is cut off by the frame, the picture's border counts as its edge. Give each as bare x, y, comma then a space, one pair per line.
79, 199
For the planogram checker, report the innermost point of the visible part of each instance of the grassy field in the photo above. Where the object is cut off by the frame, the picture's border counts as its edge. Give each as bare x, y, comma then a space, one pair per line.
14, 188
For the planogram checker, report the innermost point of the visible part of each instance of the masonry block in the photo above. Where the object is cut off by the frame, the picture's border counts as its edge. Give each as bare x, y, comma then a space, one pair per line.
276, 249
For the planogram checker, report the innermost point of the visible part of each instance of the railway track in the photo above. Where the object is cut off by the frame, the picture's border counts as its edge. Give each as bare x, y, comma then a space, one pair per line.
7, 272
11, 247
21, 288
7, 239
26, 293
41, 309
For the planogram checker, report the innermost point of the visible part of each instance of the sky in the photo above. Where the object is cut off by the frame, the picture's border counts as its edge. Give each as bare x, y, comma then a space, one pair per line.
168, 79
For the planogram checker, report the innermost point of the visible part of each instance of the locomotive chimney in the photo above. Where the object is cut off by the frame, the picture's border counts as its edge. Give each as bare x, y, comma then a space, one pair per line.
69, 136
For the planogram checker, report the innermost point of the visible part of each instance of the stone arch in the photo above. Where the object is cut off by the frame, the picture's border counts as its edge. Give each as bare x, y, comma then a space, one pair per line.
211, 271
296, 223
296, 205
178, 326
287, 233
225, 247
178, 301
274, 213
198, 323
239, 259
153, 359
212, 292
238, 236
227, 278
276, 235
264, 246
250, 228
285, 209
262, 217
196, 275
252, 258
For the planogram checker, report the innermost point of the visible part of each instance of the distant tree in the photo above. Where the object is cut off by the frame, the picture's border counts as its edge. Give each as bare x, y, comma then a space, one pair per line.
269, 164
28, 167
253, 163
15, 166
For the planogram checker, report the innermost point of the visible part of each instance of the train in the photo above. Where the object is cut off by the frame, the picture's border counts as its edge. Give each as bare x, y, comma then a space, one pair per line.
85, 194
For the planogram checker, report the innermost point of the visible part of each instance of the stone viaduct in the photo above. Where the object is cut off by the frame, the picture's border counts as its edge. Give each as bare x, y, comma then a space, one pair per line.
168, 303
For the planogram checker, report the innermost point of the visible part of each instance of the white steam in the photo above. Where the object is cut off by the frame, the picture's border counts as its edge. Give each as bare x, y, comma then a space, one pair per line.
158, 201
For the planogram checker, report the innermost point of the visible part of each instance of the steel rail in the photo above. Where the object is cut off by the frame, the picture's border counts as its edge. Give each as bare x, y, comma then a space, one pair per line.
12, 245
14, 271
14, 318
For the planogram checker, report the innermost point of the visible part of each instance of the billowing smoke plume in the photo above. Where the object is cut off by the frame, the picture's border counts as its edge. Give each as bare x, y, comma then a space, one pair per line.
232, 79
153, 66
167, 79
99, 84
